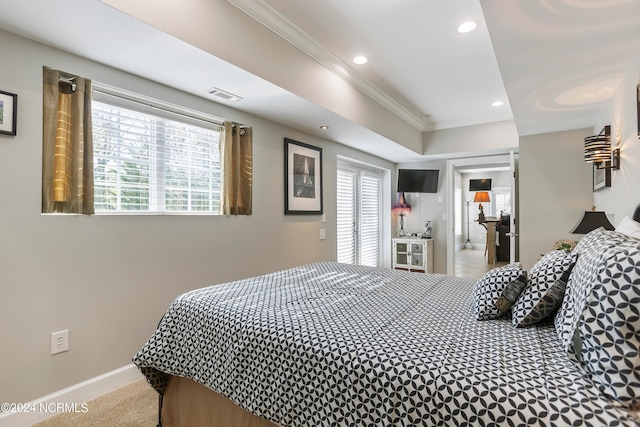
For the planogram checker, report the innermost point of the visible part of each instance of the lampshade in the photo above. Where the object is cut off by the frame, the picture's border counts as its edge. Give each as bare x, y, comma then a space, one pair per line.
592, 220
481, 196
597, 148
401, 205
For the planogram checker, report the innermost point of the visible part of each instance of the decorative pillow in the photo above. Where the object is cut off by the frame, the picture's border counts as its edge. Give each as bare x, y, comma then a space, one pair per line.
494, 294
545, 288
599, 321
591, 250
629, 227
607, 341
590, 240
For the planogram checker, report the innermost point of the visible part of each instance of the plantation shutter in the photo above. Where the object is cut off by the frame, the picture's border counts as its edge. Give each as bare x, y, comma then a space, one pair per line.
359, 203
369, 218
346, 191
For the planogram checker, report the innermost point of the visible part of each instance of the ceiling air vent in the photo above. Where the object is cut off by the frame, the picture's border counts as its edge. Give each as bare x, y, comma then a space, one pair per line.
223, 94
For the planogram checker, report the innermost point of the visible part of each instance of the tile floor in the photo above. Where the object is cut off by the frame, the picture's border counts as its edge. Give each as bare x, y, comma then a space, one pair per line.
473, 263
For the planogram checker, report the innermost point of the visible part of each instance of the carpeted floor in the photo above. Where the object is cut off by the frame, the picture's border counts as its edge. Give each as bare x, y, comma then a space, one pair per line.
134, 405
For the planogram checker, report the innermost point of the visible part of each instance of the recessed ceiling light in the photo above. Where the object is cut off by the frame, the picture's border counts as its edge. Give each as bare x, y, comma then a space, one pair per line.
360, 60
466, 27
324, 127
497, 104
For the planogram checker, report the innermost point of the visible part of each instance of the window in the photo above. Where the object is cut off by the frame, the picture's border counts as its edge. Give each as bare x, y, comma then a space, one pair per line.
346, 214
153, 158
502, 198
359, 213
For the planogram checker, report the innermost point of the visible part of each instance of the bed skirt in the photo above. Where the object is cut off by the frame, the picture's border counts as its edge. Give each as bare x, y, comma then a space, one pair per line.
187, 403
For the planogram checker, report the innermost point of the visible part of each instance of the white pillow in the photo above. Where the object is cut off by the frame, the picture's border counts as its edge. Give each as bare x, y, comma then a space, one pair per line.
629, 227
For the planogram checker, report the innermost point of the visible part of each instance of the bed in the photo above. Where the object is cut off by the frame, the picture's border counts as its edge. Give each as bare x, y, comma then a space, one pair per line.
329, 344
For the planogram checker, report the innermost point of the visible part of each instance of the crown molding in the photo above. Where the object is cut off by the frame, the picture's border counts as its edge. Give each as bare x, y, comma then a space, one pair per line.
277, 23
499, 117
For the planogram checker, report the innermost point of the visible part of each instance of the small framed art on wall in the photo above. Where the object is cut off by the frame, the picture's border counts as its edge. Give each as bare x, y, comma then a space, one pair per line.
8, 113
302, 178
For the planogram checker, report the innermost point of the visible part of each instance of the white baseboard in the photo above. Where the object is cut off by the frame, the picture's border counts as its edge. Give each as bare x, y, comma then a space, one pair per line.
72, 397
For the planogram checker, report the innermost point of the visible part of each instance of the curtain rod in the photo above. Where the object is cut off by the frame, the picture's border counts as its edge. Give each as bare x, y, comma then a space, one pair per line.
129, 97
69, 80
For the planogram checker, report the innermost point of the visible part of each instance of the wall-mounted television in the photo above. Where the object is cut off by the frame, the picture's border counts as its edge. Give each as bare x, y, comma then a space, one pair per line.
480, 184
418, 180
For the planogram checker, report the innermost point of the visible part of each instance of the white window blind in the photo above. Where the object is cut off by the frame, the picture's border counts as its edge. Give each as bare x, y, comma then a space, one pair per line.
346, 213
359, 204
369, 203
148, 158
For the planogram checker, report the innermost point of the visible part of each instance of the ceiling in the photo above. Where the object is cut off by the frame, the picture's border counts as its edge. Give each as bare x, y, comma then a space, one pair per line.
553, 63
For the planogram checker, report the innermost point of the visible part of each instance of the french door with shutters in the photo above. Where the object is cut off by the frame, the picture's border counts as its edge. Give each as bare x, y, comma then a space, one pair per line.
359, 214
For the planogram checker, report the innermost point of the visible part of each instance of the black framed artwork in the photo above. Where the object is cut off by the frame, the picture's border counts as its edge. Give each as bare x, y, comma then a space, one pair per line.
601, 178
638, 107
302, 178
8, 113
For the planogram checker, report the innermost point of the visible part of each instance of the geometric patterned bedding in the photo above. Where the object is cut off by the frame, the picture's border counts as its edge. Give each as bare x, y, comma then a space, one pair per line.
330, 344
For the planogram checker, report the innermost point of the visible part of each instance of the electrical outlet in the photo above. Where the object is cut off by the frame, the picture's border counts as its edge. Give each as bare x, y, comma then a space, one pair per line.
59, 341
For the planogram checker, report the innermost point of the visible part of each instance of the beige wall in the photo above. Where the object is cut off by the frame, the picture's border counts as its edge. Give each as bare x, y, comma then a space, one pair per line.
555, 188
624, 195
109, 279
556, 184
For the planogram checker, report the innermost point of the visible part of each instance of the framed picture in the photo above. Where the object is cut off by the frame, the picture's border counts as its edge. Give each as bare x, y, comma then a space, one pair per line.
601, 178
638, 107
302, 178
8, 113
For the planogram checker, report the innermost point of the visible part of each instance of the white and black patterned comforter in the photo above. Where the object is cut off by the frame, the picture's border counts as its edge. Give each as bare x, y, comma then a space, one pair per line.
329, 344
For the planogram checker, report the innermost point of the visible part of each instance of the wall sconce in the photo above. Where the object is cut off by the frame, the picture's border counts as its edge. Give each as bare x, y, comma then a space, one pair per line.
597, 150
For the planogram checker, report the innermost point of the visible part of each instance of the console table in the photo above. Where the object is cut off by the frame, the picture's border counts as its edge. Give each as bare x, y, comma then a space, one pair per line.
491, 226
413, 254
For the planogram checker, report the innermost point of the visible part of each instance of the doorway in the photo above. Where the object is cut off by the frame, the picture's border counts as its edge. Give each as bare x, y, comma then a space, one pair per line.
467, 250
